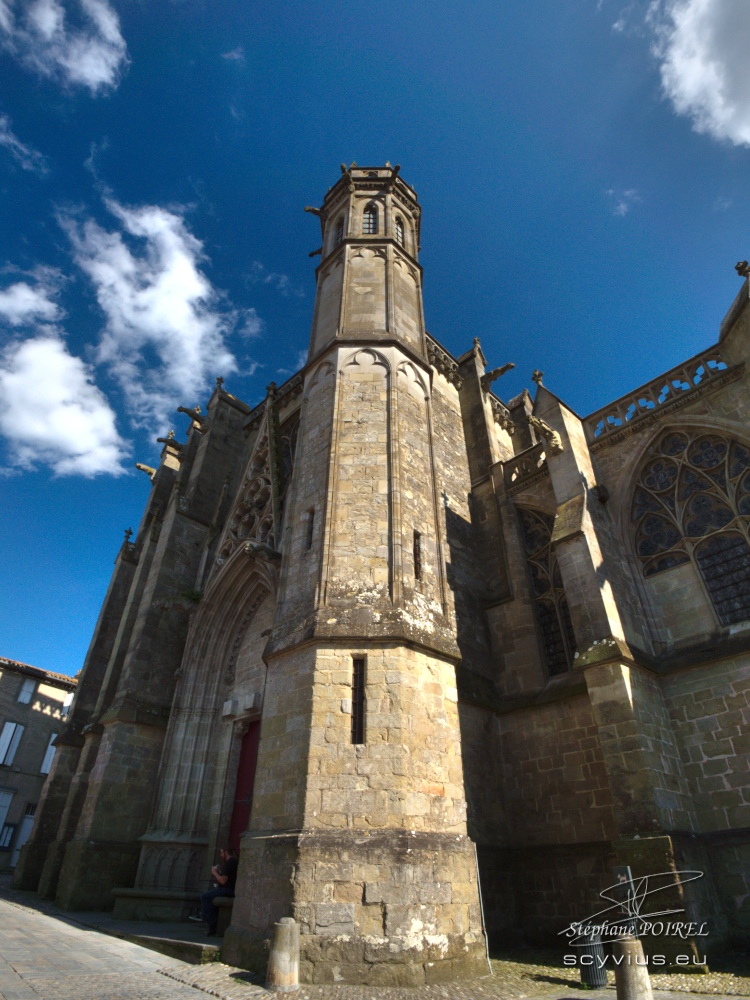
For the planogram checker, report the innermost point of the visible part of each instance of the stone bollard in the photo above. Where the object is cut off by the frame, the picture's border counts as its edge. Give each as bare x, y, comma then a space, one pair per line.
631, 972
283, 962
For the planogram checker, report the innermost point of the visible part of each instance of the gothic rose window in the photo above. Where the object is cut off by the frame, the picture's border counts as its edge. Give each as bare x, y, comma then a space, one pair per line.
692, 503
546, 583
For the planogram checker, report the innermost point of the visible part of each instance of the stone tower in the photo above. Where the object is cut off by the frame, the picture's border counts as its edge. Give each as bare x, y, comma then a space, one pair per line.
359, 816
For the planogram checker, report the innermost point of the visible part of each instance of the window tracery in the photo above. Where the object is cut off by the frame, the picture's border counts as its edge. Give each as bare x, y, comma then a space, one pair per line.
252, 518
400, 233
692, 502
558, 637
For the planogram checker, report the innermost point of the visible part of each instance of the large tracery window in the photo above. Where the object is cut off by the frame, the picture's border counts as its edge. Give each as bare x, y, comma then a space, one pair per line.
552, 607
692, 502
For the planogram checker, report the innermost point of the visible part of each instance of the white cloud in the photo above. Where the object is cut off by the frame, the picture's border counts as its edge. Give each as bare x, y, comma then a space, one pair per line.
702, 49
300, 362
22, 303
92, 55
164, 338
236, 55
52, 413
25, 156
260, 275
250, 324
630, 18
623, 201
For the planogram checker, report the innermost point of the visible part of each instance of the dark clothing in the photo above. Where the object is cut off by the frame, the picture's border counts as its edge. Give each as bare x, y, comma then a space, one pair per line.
208, 911
229, 868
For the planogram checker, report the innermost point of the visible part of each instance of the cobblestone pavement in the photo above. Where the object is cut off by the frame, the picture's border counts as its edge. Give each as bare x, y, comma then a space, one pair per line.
48, 958
510, 981
46, 953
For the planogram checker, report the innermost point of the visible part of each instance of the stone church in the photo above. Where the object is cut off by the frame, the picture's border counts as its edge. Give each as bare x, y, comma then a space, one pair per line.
434, 662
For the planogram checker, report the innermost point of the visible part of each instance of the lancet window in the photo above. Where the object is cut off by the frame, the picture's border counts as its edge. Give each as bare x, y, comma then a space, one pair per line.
400, 234
692, 503
370, 220
288, 442
558, 638
339, 231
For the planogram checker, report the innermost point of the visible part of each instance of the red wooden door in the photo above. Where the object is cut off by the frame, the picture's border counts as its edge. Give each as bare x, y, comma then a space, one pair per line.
243, 792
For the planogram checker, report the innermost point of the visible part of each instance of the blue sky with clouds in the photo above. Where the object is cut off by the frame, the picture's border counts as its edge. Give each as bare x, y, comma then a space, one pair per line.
583, 171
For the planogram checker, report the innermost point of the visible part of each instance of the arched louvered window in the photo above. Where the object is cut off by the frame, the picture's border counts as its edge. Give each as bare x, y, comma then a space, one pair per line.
400, 234
370, 220
692, 502
339, 232
558, 638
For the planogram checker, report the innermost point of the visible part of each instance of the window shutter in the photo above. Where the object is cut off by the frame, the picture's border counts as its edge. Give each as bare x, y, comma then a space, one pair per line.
49, 755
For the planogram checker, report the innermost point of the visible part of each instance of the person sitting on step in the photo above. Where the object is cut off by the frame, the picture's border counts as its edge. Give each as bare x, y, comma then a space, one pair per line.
224, 877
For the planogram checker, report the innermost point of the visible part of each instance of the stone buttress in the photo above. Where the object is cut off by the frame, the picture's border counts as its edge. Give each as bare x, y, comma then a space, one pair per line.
112, 748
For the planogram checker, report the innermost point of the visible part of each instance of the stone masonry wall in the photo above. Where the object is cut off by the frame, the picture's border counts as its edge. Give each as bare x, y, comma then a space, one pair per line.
662, 755
465, 583
710, 710
407, 774
302, 564
556, 785
360, 543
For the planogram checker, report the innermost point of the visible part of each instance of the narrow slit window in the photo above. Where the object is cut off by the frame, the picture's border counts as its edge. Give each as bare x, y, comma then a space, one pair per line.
370, 220
358, 700
339, 234
417, 556
310, 528
400, 237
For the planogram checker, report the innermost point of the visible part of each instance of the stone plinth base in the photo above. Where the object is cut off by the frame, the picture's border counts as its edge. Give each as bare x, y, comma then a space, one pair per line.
50, 873
671, 864
153, 904
28, 871
91, 870
384, 908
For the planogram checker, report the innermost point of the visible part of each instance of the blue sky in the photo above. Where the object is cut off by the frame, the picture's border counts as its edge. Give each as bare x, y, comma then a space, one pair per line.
583, 172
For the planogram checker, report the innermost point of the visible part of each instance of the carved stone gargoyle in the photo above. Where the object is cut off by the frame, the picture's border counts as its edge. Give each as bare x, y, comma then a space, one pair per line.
487, 380
262, 551
551, 437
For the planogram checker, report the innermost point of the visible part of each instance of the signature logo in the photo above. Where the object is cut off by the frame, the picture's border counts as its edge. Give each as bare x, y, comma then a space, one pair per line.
630, 913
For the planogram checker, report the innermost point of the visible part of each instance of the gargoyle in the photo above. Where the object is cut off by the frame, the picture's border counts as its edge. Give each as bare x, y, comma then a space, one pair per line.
551, 437
487, 380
